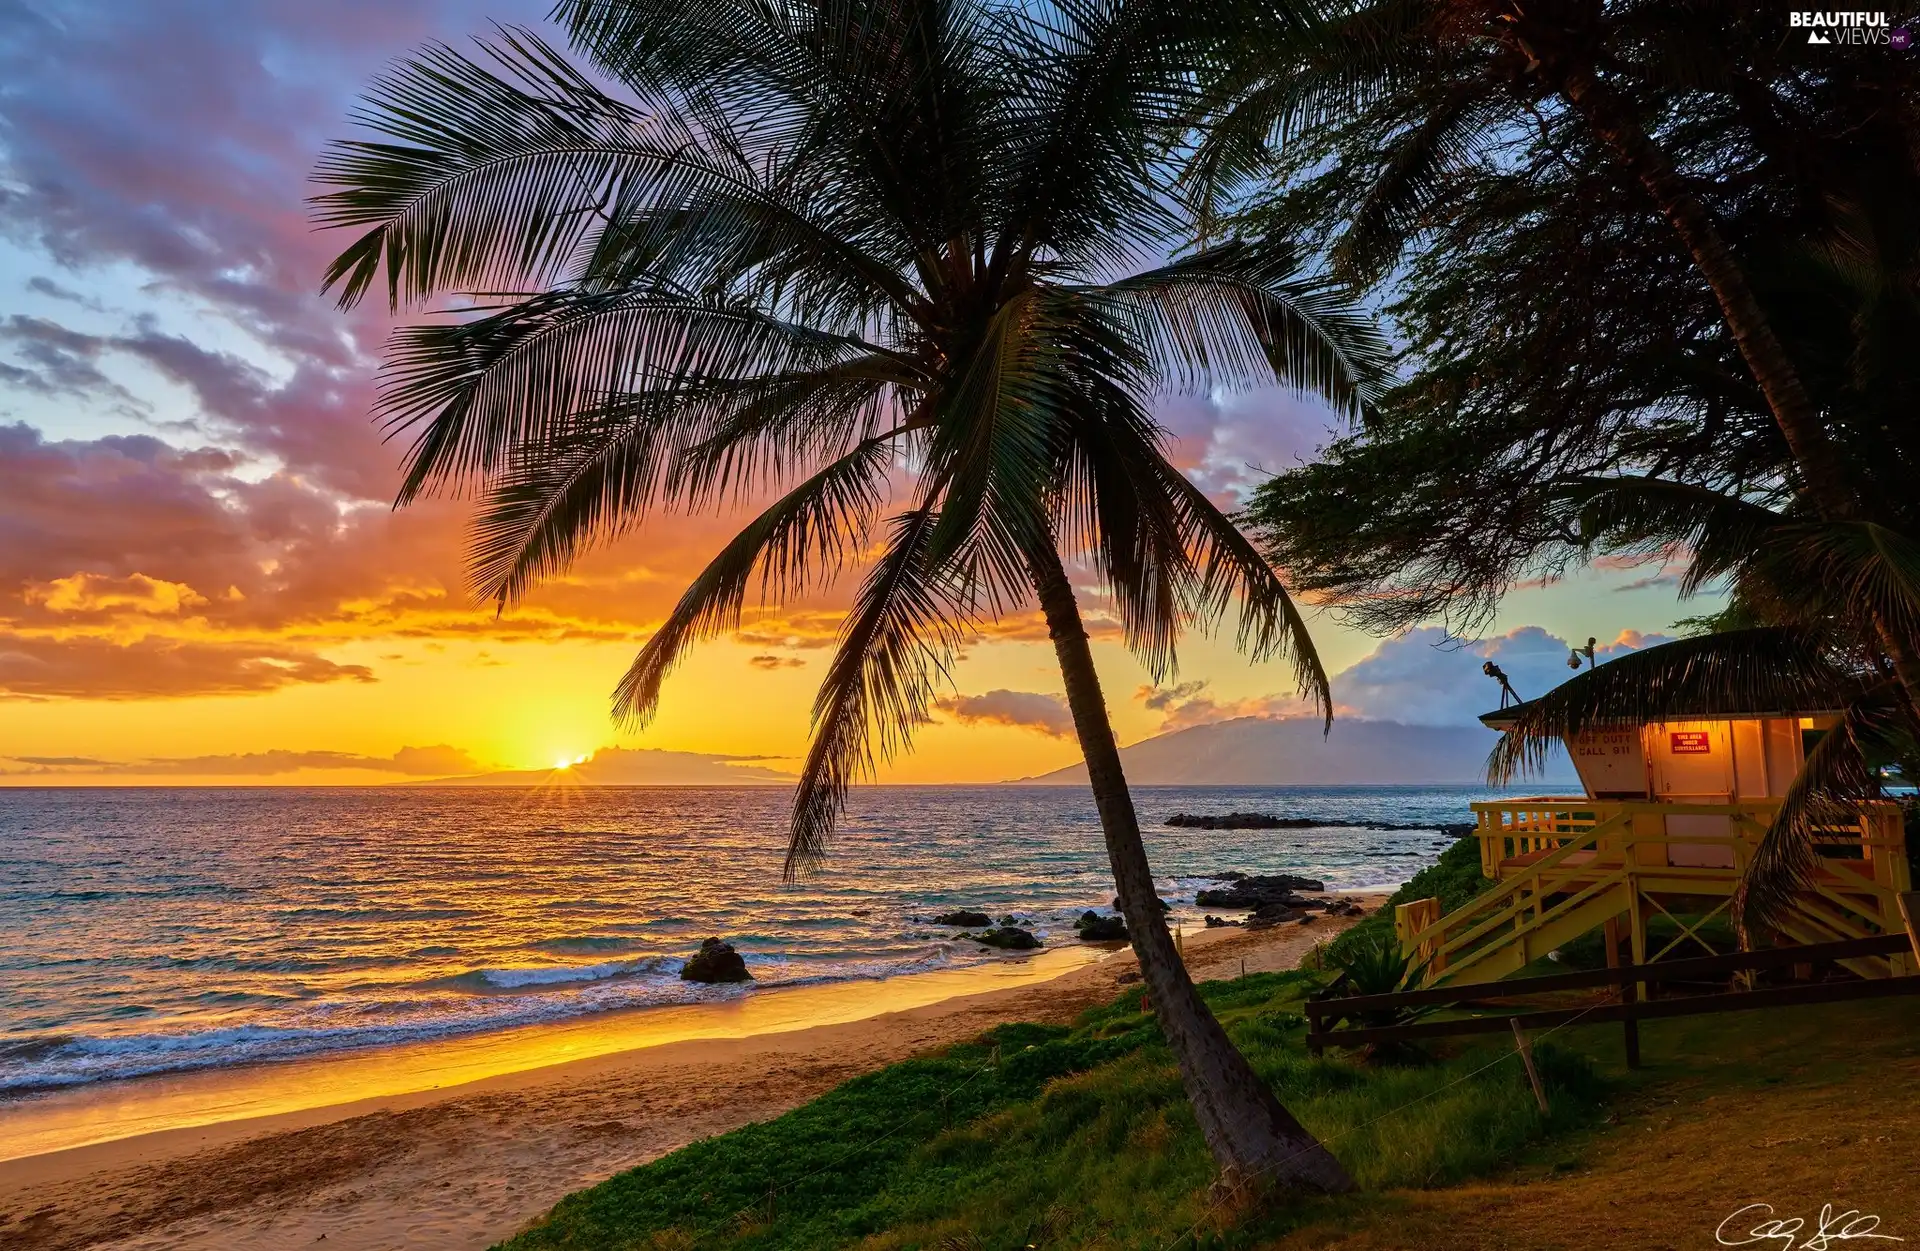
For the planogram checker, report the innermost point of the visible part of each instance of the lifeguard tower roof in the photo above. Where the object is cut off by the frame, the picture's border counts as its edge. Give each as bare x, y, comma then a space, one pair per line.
1506, 718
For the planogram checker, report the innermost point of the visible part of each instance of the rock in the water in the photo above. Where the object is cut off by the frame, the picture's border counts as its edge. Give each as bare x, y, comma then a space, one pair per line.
715, 962
1251, 892
1008, 938
1164, 905
965, 918
1240, 821
1094, 928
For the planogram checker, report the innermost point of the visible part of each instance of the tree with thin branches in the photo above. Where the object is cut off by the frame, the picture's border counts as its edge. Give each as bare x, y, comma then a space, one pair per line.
1630, 84
1603, 405
899, 267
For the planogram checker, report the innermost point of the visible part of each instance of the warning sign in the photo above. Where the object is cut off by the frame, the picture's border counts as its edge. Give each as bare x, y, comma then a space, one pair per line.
1688, 743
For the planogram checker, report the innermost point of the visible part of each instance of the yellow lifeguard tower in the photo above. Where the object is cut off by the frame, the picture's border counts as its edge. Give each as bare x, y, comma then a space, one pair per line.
1670, 818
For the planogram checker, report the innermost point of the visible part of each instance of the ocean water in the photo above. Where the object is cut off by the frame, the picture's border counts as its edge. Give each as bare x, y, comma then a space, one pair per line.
156, 930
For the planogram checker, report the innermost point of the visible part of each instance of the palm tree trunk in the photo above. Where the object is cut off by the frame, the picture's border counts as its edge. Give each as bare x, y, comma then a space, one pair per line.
1254, 1140
1793, 410
1812, 447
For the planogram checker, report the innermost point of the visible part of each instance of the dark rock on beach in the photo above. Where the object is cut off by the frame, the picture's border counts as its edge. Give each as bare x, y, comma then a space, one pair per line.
1094, 928
964, 918
716, 961
1217, 923
1007, 938
1274, 914
1251, 892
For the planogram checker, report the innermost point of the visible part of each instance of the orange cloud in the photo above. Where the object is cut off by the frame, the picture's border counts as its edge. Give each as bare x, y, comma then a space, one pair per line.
98, 593
436, 761
154, 667
1027, 709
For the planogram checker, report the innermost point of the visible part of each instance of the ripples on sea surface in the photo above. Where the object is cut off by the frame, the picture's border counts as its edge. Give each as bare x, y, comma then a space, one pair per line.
145, 931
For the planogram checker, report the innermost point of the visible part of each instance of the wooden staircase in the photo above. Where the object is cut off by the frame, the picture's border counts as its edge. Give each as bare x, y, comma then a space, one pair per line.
1566, 867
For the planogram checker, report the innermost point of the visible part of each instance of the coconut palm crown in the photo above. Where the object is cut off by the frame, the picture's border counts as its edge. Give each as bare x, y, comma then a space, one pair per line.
897, 266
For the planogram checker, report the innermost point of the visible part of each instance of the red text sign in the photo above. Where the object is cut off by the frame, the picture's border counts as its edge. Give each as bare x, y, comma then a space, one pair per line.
1688, 743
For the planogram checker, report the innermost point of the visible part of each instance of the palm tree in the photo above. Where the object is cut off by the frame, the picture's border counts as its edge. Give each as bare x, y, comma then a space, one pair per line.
836, 252
1472, 73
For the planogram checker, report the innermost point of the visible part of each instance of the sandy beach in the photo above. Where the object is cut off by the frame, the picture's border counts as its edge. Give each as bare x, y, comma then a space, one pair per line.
460, 1166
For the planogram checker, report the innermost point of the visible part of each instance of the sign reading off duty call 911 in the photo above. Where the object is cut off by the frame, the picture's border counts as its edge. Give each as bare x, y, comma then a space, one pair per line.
1610, 761
1688, 743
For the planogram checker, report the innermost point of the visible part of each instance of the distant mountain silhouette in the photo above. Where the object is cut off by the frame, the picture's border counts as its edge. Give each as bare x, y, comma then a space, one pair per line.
620, 766
1271, 751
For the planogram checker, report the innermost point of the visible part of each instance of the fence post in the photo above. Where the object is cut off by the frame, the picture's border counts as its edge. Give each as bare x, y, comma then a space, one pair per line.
1525, 1049
1630, 1028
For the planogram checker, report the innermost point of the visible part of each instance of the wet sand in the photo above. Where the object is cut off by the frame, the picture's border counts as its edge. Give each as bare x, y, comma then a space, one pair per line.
453, 1146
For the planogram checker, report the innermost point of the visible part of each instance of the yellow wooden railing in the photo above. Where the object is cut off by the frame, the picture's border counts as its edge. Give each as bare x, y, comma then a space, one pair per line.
1566, 864
1869, 852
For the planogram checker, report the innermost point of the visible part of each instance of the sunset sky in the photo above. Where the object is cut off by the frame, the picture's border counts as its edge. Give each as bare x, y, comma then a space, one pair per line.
200, 575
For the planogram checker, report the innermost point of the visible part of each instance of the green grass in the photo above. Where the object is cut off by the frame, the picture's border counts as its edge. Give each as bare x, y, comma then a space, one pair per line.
1047, 1136
1454, 878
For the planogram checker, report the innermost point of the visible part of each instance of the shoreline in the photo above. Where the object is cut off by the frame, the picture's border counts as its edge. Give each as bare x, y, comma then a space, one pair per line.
277, 1158
95, 1113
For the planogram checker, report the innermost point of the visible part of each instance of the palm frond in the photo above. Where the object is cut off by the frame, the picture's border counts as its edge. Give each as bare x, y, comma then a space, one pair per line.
1856, 571
1838, 776
515, 378
1242, 313
1284, 78
1720, 532
484, 178
1413, 174
1099, 85
897, 643
809, 532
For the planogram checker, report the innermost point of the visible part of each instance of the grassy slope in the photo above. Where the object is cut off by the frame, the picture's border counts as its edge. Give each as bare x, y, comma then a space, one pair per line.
1070, 1137
1454, 877
1050, 1137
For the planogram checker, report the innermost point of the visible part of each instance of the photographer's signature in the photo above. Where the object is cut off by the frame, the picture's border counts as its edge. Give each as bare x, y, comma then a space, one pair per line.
1756, 1223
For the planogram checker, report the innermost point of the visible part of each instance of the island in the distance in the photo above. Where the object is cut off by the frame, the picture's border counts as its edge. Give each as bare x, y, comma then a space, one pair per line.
1296, 751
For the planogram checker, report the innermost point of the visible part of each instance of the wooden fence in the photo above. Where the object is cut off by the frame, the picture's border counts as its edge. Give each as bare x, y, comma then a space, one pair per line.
1493, 1013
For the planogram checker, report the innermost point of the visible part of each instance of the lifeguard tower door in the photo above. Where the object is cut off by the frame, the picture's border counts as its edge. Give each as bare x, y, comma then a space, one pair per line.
1692, 763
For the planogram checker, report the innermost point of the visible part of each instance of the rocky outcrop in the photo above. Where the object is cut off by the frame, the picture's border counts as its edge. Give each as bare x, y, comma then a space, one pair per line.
1267, 821
1252, 892
1164, 905
1007, 938
1094, 928
965, 918
716, 961
1243, 821
1217, 923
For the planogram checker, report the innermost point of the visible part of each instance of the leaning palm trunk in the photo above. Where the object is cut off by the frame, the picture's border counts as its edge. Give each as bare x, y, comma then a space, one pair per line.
1254, 1140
